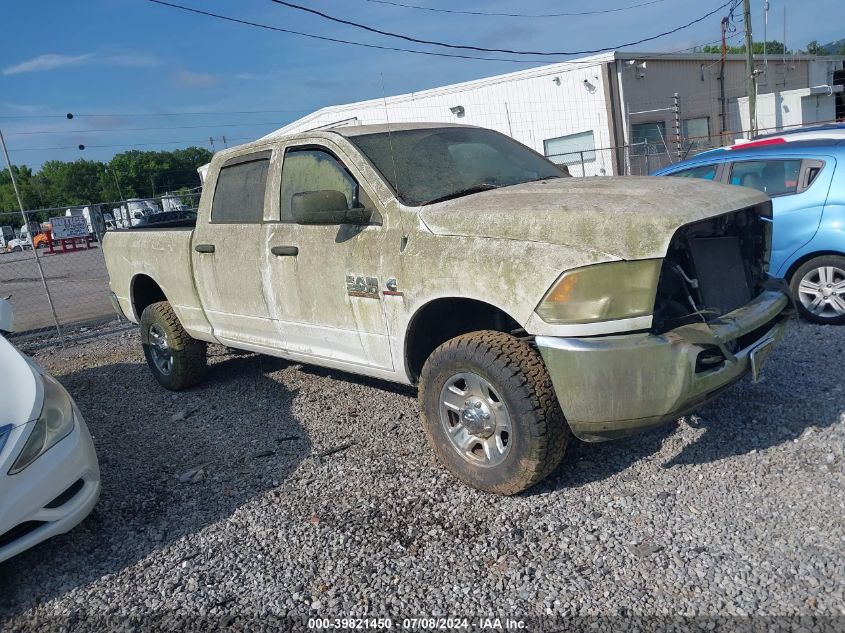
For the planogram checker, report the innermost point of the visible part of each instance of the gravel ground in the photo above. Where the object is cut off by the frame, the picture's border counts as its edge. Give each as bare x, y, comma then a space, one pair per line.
225, 506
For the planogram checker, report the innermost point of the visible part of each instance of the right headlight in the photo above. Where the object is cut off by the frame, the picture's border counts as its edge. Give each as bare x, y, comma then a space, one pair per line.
53, 425
602, 292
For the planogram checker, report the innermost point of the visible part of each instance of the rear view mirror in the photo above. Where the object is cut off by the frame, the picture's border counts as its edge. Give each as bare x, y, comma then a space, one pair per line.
326, 207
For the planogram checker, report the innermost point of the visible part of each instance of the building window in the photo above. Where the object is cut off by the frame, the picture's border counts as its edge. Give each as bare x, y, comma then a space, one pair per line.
648, 138
696, 132
572, 149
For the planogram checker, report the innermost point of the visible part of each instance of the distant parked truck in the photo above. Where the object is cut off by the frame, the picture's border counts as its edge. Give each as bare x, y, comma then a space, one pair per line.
27, 237
7, 235
171, 202
133, 210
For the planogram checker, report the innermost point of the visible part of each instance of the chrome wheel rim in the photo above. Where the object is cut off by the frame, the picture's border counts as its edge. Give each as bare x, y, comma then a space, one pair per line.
475, 419
822, 292
160, 350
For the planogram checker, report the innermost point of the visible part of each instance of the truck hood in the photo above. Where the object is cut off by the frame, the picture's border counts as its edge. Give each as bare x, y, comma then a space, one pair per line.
631, 217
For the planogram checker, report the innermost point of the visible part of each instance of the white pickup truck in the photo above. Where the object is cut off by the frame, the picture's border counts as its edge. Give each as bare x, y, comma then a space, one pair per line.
525, 304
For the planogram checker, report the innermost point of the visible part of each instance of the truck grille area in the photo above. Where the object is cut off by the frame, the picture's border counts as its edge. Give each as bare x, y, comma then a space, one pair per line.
713, 267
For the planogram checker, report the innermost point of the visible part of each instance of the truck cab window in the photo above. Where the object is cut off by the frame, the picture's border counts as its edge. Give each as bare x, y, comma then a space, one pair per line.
312, 169
239, 196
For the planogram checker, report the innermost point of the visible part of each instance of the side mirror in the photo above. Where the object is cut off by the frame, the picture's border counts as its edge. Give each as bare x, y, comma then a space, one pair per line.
326, 207
7, 317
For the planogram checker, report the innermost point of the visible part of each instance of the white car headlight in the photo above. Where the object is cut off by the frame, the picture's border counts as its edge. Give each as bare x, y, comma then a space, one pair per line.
53, 425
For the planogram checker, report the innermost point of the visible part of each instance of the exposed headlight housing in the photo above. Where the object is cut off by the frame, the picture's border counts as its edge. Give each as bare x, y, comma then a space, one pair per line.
53, 425
602, 292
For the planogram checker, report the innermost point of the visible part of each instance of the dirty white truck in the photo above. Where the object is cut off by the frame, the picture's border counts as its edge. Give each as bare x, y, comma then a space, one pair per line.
525, 304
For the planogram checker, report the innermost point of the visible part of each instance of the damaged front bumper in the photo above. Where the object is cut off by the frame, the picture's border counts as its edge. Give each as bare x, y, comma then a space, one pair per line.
612, 386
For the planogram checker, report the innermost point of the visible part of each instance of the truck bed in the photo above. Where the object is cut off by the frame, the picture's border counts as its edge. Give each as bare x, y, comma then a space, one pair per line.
160, 254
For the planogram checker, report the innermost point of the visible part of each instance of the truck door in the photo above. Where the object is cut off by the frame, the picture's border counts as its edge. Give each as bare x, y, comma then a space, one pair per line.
798, 189
325, 281
227, 252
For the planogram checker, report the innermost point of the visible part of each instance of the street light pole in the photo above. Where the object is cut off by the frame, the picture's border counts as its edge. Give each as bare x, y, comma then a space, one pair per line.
34, 250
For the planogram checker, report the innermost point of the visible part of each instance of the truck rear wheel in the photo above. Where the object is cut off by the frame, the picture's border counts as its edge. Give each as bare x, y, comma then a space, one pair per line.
176, 360
490, 412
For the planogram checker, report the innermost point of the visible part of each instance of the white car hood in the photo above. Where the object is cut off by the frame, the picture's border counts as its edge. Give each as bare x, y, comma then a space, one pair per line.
21, 391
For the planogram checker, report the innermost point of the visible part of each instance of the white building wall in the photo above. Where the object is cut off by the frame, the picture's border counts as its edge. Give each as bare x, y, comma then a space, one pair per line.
784, 110
530, 106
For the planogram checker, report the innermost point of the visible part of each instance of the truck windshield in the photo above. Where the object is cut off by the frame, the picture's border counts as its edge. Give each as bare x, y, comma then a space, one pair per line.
433, 164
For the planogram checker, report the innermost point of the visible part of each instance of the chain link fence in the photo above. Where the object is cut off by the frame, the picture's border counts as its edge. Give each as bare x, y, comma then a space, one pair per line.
56, 284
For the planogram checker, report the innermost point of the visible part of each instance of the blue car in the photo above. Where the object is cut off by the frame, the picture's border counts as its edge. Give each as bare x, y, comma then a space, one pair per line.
806, 182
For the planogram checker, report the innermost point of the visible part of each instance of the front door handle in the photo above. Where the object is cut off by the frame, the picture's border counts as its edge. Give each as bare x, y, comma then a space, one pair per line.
204, 248
285, 251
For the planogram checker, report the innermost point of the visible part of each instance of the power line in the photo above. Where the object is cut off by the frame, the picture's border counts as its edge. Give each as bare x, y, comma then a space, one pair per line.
144, 129
337, 40
147, 114
211, 125
416, 40
76, 147
514, 15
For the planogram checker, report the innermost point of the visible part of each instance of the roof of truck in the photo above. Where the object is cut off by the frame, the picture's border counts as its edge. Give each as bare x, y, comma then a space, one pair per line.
381, 128
346, 131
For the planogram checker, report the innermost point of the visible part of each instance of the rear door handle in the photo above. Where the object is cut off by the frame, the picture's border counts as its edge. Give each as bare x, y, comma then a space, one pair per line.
285, 251
204, 248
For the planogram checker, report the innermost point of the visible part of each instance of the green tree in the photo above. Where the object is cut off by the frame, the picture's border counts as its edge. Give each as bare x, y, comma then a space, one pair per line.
28, 191
139, 174
145, 174
79, 182
772, 47
814, 48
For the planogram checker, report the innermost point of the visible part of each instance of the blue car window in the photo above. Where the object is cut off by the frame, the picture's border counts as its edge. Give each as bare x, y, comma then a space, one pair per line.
707, 172
775, 177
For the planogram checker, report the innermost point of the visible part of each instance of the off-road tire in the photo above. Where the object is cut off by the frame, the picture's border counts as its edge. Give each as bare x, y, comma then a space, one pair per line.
836, 261
189, 354
515, 369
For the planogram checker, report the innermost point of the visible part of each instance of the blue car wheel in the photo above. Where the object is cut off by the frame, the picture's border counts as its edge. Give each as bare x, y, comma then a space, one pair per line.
819, 289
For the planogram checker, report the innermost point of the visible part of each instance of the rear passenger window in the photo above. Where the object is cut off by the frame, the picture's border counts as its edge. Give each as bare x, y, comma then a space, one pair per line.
239, 196
706, 172
774, 177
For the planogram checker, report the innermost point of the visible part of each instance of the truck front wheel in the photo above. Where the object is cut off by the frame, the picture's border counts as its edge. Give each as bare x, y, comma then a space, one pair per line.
176, 360
490, 412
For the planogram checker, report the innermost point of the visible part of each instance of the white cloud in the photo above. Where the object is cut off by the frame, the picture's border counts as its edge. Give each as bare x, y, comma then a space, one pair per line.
132, 60
187, 79
47, 62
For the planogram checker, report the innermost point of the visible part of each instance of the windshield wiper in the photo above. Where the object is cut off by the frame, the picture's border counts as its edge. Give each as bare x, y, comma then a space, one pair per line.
482, 186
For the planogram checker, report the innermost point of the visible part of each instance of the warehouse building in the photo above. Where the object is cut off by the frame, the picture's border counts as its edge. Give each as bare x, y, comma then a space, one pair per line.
616, 112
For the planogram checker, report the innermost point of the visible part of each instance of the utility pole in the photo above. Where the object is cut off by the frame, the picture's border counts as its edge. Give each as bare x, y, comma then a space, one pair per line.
750, 79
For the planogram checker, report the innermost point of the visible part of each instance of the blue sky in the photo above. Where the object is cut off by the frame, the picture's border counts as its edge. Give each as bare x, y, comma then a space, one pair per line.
147, 66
